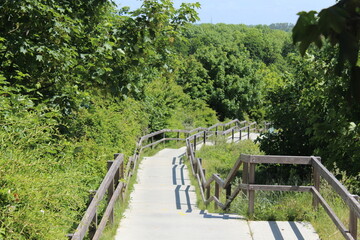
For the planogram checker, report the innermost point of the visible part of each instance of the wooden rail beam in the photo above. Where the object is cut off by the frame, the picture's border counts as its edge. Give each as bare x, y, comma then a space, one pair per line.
344, 231
91, 211
337, 186
273, 159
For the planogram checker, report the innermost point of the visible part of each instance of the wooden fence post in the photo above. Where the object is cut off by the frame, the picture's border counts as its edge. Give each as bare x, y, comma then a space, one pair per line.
232, 135
245, 176
248, 132
316, 180
217, 193
240, 133
119, 174
353, 222
251, 192
94, 221
110, 192
196, 167
204, 137
194, 143
228, 192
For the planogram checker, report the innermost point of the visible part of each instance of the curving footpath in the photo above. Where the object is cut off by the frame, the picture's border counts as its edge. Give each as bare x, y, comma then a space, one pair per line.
163, 207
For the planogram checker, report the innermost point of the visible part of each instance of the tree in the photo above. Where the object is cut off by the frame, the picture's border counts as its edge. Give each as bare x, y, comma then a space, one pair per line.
339, 24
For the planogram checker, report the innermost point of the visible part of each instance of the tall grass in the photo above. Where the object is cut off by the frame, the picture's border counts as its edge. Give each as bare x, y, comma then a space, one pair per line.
270, 205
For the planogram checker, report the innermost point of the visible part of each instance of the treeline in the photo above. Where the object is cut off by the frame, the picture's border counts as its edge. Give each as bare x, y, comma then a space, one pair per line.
80, 81
233, 67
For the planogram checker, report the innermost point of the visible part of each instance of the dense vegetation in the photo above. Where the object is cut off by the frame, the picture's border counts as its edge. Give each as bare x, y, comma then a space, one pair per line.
232, 67
80, 80
269, 205
316, 110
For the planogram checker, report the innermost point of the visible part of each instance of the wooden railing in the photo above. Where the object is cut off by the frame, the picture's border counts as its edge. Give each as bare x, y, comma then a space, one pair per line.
319, 171
199, 172
248, 185
115, 183
113, 188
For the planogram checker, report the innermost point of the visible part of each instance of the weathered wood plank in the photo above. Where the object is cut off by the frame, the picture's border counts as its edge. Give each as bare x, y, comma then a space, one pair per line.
232, 173
217, 193
209, 181
110, 191
344, 231
353, 224
218, 180
273, 159
245, 174
108, 212
251, 193
283, 188
337, 186
91, 210
201, 172
162, 140
201, 189
316, 180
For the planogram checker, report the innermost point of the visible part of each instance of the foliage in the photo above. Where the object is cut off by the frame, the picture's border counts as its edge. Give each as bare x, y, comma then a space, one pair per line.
169, 107
78, 82
228, 66
220, 158
275, 206
316, 111
339, 24
311, 115
287, 27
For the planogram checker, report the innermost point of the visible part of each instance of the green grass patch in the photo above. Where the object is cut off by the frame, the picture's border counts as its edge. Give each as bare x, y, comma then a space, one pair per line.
270, 205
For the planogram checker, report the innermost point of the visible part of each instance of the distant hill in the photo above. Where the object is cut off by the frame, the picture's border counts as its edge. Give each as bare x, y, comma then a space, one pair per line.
287, 27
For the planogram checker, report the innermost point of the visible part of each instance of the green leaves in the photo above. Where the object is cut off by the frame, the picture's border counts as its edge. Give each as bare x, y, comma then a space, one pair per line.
337, 23
332, 19
306, 31
222, 65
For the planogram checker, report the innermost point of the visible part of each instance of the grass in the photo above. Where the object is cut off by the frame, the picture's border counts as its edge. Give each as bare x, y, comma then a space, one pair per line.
269, 206
219, 159
272, 206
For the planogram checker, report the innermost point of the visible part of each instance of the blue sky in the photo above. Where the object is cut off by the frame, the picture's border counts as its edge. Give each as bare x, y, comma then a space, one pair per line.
248, 12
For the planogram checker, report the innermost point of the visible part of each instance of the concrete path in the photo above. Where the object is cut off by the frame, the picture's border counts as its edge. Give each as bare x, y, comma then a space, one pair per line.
163, 206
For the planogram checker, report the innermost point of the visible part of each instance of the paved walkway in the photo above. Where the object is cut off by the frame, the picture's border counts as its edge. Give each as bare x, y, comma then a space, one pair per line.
163, 206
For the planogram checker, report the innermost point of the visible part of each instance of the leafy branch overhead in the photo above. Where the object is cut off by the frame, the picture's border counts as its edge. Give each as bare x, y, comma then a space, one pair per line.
339, 24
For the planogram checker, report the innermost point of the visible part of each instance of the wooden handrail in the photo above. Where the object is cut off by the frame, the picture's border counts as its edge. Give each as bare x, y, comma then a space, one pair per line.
111, 179
337, 186
100, 193
198, 170
249, 185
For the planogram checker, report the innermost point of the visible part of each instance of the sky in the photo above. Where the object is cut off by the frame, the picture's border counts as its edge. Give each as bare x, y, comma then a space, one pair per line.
249, 12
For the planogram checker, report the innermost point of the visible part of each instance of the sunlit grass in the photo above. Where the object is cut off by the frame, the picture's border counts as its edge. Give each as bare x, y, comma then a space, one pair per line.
270, 205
